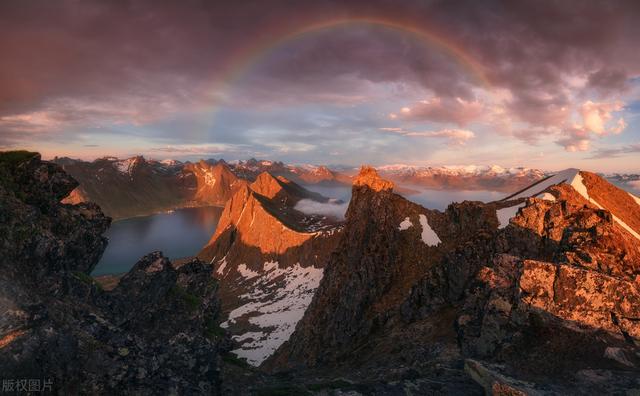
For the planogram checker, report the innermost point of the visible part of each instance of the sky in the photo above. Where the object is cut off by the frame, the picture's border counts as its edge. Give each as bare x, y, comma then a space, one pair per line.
543, 84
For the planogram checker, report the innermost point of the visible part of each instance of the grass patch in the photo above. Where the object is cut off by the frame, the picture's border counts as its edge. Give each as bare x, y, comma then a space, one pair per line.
191, 300
8, 161
213, 330
86, 278
15, 157
236, 361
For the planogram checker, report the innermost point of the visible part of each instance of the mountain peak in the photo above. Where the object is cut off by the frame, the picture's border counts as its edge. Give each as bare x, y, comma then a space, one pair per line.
369, 177
266, 184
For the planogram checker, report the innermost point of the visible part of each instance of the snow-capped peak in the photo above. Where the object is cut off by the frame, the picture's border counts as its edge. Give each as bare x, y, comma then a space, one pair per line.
170, 162
573, 178
459, 170
126, 166
570, 176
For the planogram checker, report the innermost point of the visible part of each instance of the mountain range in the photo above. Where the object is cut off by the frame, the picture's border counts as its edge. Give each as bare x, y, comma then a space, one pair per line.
536, 293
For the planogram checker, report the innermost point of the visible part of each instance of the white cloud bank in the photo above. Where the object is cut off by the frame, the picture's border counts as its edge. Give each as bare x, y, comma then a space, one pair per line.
331, 209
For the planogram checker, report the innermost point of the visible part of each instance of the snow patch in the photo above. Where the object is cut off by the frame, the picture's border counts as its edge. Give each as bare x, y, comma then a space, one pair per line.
247, 272
428, 235
405, 224
209, 179
569, 176
635, 198
277, 301
506, 214
222, 265
125, 166
546, 196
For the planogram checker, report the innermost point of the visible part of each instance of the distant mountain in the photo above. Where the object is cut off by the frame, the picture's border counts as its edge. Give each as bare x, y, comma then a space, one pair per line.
215, 184
130, 187
629, 182
528, 295
304, 174
269, 258
492, 178
136, 186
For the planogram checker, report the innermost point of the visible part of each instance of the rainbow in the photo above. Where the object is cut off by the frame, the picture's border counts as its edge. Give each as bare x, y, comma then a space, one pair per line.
239, 62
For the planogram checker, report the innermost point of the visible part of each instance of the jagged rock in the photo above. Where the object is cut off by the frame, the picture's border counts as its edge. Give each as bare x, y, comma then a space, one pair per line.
154, 333
495, 383
546, 297
269, 258
215, 183
368, 177
359, 309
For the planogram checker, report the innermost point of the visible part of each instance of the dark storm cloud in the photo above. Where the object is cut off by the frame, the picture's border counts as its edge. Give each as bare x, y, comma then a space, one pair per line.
83, 63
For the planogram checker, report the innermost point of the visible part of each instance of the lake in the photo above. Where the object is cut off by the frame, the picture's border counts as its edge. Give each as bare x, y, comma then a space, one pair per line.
180, 233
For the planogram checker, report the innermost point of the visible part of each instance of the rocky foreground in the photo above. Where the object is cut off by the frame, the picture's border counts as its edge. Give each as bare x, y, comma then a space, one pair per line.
535, 294
154, 333
415, 301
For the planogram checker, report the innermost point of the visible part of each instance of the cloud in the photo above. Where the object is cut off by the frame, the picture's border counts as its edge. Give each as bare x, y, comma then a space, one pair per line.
595, 117
445, 110
607, 81
616, 151
331, 209
455, 137
72, 68
205, 149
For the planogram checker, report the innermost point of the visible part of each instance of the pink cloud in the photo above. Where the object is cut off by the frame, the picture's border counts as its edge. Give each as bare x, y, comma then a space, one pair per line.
455, 137
446, 110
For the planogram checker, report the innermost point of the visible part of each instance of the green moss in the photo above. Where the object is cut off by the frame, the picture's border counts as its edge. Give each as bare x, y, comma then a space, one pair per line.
191, 300
86, 278
8, 162
213, 330
15, 157
233, 359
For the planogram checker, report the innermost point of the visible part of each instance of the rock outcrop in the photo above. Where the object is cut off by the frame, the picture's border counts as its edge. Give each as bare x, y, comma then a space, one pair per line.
269, 258
154, 333
215, 184
535, 294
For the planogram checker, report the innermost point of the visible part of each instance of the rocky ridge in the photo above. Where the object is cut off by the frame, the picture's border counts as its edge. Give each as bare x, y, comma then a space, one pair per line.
544, 304
153, 333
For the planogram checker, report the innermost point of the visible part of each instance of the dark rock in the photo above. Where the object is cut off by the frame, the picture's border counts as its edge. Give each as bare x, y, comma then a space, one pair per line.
154, 333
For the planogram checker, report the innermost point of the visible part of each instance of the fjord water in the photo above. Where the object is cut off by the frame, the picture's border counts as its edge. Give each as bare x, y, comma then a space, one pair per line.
177, 234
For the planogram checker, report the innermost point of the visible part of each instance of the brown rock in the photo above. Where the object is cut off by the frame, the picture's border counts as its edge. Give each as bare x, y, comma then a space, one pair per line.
368, 177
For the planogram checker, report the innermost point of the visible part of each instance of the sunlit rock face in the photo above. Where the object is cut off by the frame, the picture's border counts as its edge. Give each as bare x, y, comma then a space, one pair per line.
533, 298
269, 259
215, 184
